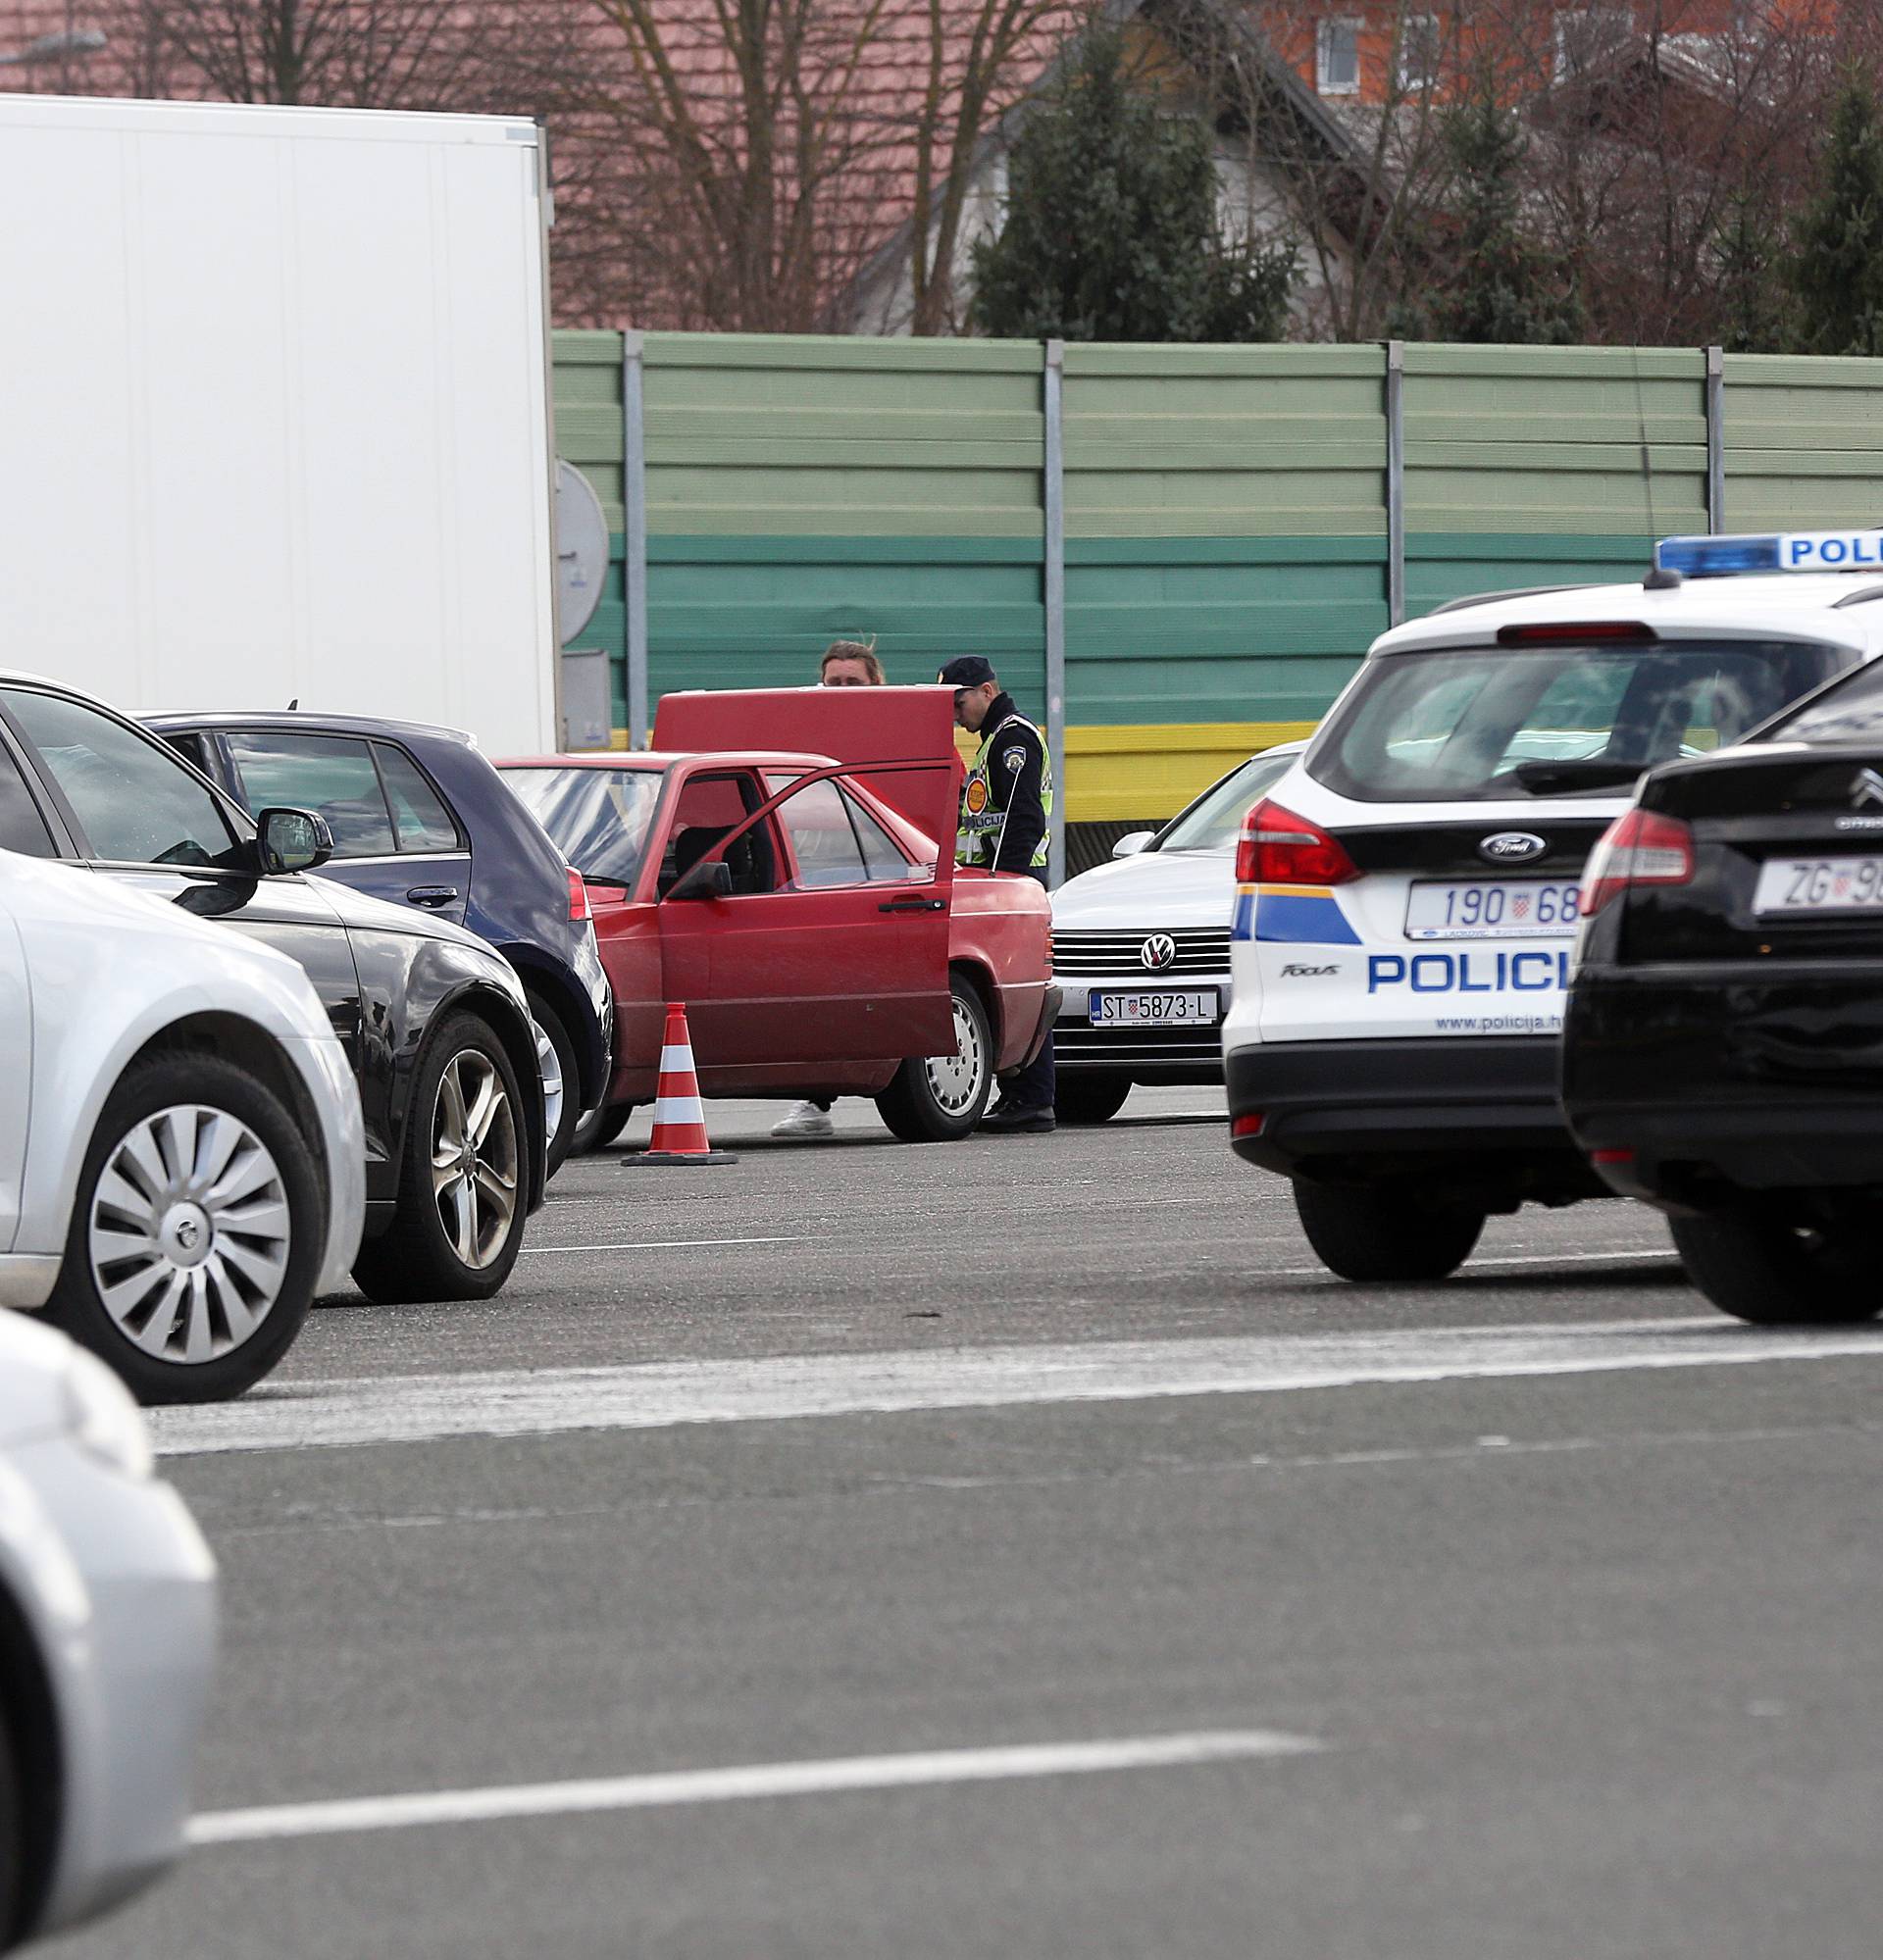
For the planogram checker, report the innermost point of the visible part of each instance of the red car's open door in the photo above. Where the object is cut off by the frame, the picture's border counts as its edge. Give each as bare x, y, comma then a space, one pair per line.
851, 725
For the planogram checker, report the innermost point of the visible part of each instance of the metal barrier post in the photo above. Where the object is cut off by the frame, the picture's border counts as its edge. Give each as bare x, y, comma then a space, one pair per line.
1715, 439
633, 493
1395, 482
1055, 595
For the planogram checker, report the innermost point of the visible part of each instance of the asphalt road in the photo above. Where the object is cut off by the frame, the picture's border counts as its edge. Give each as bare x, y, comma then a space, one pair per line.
1020, 1548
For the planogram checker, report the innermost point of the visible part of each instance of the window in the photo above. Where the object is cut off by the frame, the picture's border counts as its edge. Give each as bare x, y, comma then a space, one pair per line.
1337, 58
881, 858
421, 821
331, 774
817, 820
194, 750
1419, 52
597, 818
135, 801
1214, 820
22, 828
1562, 721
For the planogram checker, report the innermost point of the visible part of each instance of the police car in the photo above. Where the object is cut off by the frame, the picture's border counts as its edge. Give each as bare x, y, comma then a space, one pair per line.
1407, 896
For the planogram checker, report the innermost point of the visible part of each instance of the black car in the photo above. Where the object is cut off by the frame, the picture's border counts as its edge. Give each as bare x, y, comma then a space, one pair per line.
1723, 1047
420, 818
434, 1023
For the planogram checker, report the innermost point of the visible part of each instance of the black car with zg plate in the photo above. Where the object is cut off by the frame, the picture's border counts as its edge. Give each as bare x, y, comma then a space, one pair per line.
1723, 1044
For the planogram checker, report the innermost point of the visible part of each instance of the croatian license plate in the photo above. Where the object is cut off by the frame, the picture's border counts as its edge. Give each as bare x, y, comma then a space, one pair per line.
1819, 885
1527, 908
1198, 1007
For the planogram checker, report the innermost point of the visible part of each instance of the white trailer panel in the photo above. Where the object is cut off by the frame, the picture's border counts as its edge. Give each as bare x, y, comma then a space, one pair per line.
277, 415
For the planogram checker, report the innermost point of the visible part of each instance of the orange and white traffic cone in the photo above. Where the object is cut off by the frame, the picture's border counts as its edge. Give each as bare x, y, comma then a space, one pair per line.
680, 1124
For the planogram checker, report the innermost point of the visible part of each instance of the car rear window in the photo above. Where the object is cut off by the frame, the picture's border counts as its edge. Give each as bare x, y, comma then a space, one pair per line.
1850, 712
1493, 723
598, 817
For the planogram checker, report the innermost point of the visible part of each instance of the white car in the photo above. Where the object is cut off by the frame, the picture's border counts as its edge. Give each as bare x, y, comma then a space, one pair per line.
1408, 895
1141, 950
107, 1641
181, 1153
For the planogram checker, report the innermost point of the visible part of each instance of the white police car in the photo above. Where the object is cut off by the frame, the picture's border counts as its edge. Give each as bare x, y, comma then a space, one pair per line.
1407, 894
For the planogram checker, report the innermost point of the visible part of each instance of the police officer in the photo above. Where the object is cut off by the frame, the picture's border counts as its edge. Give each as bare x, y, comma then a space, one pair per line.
1006, 822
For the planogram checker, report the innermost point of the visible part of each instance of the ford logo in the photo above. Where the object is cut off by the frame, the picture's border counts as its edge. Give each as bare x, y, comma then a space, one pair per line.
1512, 847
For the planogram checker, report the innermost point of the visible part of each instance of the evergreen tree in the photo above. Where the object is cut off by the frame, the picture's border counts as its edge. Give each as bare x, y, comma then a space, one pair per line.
1838, 272
1506, 287
1111, 231
1756, 314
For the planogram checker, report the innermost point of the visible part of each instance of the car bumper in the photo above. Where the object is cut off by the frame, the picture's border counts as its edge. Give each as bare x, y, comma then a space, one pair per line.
335, 1096
1695, 1086
1362, 1108
128, 1630
1148, 1054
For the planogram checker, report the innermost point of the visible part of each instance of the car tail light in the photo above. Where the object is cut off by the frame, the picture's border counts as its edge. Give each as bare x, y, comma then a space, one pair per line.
1570, 633
1247, 1126
1615, 1157
1277, 847
1640, 847
578, 896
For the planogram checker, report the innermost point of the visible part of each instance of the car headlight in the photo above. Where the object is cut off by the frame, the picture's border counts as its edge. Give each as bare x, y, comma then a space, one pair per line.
105, 1419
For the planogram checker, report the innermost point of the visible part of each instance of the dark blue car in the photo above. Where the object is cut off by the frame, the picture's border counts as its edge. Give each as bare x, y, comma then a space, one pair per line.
420, 816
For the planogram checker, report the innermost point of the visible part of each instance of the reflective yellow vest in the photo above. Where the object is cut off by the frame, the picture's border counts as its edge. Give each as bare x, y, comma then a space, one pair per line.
978, 840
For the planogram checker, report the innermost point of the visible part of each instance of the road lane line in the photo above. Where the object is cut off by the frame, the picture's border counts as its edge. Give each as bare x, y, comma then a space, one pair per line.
918, 1768
663, 1394
671, 1245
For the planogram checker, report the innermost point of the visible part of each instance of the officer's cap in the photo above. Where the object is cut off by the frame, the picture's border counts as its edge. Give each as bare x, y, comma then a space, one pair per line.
966, 670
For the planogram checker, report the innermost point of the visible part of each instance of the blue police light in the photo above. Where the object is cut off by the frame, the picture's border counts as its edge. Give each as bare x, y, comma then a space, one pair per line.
1777, 551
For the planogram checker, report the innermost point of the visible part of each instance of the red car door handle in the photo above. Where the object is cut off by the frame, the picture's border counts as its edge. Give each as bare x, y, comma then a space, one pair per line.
914, 905
432, 894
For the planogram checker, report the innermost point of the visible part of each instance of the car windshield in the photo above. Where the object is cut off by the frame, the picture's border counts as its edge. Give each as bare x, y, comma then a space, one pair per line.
1493, 723
1213, 821
598, 817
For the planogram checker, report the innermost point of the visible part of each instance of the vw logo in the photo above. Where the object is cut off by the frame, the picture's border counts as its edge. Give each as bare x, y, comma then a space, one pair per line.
1512, 847
1158, 952
1866, 788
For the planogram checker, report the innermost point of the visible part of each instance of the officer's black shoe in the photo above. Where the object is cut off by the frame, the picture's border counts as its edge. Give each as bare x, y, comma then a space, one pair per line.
1013, 1118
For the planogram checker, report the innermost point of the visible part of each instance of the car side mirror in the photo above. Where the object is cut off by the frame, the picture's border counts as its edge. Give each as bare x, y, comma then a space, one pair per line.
1134, 841
291, 841
706, 880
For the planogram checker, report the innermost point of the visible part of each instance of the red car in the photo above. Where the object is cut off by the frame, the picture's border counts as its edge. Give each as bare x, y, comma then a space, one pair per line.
789, 892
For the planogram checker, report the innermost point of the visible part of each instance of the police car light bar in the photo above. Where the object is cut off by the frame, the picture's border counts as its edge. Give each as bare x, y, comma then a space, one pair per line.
1774, 551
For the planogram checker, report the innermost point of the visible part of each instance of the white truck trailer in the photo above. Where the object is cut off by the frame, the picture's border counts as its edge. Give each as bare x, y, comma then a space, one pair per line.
276, 420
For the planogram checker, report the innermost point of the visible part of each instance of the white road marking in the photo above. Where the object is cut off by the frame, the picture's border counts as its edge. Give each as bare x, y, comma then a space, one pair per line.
671, 1245
661, 1394
922, 1768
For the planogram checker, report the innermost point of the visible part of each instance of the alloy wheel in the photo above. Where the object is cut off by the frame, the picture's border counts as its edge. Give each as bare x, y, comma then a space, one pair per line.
549, 1067
955, 1079
190, 1234
474, 1158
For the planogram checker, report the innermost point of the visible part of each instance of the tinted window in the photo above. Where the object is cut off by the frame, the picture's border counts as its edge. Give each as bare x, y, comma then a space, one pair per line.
193, 749
331, 774
598, 818
22, 828
422, 822
1557, 720
1212, 822
133, 799
1850, 712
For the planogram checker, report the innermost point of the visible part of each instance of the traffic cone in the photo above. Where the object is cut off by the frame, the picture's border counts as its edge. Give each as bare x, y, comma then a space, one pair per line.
680, 1124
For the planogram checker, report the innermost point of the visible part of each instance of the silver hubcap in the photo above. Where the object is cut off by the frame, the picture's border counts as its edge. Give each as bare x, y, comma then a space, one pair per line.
955, 1079
551, 1070
190, 1233
474, 1158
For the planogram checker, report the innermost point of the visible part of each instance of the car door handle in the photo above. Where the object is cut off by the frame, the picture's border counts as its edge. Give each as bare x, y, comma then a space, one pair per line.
914, 905
432, 894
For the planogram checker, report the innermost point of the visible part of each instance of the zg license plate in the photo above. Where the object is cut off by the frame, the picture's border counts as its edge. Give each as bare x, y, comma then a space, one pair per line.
1197, 1008
1819, 885
1528, 907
